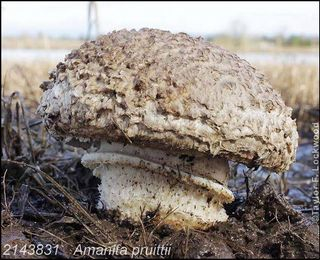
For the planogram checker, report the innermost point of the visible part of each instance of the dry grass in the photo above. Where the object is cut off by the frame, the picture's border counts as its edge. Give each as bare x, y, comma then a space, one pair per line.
39, 43
251, 45
25, 78
298, 84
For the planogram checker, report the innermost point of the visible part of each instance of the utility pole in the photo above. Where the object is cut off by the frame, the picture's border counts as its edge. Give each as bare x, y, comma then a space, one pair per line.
93, 22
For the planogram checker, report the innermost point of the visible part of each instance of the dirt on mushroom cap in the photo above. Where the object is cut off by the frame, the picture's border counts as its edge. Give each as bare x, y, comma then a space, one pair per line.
155, 88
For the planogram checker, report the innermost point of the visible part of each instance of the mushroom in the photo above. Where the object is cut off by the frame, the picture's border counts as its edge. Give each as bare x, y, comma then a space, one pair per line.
168, 112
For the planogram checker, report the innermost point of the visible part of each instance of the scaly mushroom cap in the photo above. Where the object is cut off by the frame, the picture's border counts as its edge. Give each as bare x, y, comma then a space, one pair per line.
159, 89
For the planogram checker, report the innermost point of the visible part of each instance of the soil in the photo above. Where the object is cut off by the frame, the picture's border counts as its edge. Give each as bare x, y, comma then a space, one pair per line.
49, 198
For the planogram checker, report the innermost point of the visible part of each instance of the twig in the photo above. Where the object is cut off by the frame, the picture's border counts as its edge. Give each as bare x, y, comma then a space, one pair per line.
7, 124
160, 223
54, 202
36, 211
4, 189
283, 183
98, 243
144, 232
124, 133
53, 235
4, 83
186, 243
74, 203
22, 199
246, 175
26, 127
38, 122
18, 119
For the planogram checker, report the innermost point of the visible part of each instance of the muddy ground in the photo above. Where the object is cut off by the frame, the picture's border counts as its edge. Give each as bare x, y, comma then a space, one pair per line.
49, 199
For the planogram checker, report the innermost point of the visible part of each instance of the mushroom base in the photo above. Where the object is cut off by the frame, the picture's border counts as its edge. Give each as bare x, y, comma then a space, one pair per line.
134, 185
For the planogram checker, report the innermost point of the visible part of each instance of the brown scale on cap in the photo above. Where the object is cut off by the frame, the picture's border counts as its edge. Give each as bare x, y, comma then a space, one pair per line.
169, 91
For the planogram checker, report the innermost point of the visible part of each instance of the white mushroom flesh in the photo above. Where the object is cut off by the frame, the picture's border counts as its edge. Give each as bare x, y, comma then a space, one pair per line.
185, 190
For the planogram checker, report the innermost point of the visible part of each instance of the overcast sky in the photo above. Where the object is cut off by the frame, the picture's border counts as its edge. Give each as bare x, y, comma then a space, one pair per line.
197, 18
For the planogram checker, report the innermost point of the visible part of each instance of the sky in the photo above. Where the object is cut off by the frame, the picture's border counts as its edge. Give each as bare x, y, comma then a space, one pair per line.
69, 19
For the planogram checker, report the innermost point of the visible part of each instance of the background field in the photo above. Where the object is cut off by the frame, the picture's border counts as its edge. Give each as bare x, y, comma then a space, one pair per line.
292, 69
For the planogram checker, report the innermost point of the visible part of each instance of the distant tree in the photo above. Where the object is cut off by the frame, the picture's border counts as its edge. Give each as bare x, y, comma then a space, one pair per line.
296, 40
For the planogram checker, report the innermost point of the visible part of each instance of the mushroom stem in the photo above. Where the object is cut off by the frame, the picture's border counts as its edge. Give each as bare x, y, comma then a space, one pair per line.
135, 178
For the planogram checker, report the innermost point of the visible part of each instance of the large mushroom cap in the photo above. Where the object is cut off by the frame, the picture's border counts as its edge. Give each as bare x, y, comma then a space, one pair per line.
158, 89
